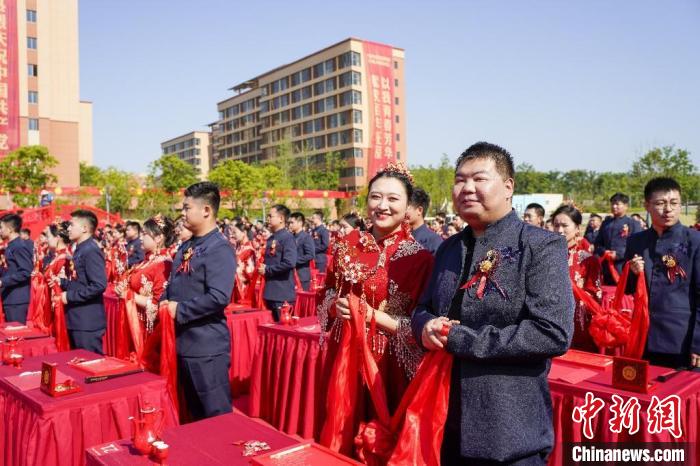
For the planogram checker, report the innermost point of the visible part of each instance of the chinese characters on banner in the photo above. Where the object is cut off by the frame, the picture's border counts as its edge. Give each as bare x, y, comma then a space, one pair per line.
9, 87
661, 415
380, 80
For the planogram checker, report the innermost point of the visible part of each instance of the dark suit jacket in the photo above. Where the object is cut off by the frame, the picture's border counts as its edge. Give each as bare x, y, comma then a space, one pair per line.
674, 308
610, 238
202, 295
427, 238
305, 254
503, 345
321, 241
134, 251
279, 268
19, 256
85, 309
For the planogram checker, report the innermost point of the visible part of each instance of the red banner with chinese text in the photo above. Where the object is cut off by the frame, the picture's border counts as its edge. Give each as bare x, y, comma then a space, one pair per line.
380, 83
9, 86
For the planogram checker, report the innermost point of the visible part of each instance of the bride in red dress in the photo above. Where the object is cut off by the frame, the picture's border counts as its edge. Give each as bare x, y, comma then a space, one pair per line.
243, 289
387, 269
147, 280
584, 271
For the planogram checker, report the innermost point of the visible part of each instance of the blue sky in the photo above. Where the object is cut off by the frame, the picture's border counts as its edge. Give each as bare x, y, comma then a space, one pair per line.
561, 84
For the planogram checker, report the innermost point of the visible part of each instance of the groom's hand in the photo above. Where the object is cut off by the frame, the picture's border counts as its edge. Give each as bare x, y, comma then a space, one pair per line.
434, 337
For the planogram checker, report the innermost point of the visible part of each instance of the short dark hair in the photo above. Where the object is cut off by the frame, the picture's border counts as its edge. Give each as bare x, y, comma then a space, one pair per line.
161, 226
570, 211
282, 209
619, 197
298, 216
88, 216
420, 198
661, 183
135, 225
14, 221
26, 231
485, 150
537, 208
207, 192
596, 216
319, 213
355, 221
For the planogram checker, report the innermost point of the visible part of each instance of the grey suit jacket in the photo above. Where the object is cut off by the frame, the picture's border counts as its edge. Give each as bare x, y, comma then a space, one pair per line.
503, 344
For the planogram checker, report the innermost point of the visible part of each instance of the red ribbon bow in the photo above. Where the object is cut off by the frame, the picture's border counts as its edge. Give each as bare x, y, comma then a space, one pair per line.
484, 275
673, 268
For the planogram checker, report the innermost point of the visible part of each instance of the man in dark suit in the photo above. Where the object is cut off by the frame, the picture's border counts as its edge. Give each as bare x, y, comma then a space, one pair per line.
16, 276
504, 334
305, 249
82, 295
668, 254
134, 248
199, 289
280, 261
593, 228
612, 238
417, 208
321, 241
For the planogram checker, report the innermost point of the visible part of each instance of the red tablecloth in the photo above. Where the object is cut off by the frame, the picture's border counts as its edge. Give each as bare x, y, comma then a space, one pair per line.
287, 368
111, 303
30, 345
243, 326
207, 442
36, 429
306, 303
565, 397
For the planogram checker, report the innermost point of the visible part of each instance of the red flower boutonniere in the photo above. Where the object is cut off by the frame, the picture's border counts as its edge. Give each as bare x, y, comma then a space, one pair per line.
673, 268
484, 275
273, 248
625, 232
187, 256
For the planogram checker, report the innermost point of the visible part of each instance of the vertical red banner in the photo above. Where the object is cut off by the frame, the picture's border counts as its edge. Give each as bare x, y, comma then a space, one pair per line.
9, 78
380, 84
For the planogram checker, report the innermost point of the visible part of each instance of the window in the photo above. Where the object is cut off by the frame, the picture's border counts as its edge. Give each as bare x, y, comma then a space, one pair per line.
344, 79
330, 84
196, 151
319, 88
396, 100
32, 70
306, 92
345, 137
196, 142
333, 121
357, 152
305, 75
284, 84
396, 83
305, 110
344, 60
351, 171
356, 97
319, 106
396, 65
357, 135
31, 16
357, 116
332, 139
319, 124
284, 100
284, 116
264, 106
355, 59
398, 137
318, 70
296, 113
296, 130
34, 124
330, 102
398, 155
296, 96
397, 118
31, 42
343, 118
329, 65
33, 97
296, 79
275, 87
319, 142
308, 127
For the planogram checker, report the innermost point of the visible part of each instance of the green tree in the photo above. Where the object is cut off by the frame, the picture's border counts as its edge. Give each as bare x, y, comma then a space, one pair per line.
152, 202
24, 172
667, 161
528, 180
170, 173
117, 188
240, 183
328, 175
90, 175
437, 182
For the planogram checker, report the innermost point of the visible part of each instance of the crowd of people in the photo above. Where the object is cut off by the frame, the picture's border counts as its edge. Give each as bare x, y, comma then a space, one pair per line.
491, 295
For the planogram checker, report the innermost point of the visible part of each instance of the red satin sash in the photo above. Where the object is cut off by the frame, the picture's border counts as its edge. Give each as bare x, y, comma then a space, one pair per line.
608, 259
639, 326
133, 323
159, 355
38, 302
60, 330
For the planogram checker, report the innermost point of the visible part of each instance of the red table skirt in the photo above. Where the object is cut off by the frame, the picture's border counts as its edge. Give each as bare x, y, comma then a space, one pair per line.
285, 385
36, 429
565, 397
111, 303
306, 303
29, 345
207, 442
244, 335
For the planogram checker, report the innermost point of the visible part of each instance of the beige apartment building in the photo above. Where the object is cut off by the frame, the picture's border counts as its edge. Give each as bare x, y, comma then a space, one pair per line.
193, 148
42, 64
347, 98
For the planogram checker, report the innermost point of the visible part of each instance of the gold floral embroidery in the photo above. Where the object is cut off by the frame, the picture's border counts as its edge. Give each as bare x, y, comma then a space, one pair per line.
406, 248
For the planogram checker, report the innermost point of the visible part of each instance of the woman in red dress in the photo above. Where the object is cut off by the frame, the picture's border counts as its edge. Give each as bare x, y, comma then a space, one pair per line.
51, 316
243, 289
584, 271
386, 269
147, 280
